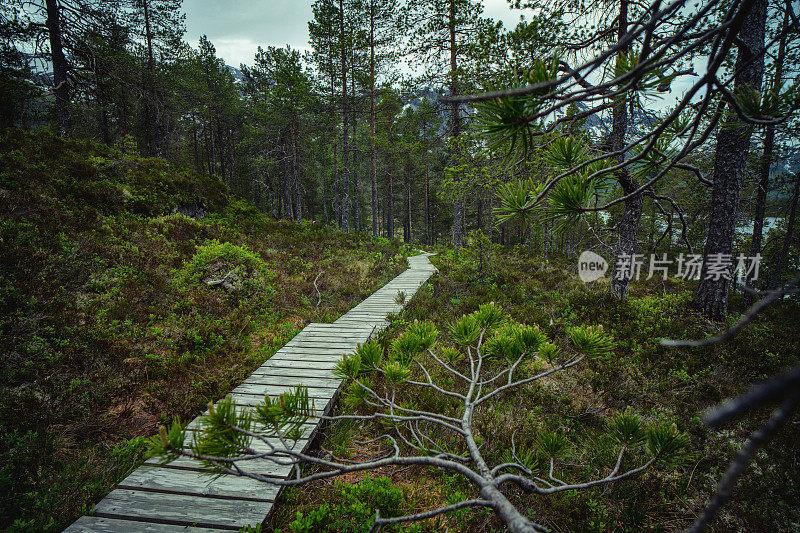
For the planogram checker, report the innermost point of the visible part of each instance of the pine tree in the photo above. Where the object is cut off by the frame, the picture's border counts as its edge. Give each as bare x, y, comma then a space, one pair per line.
443, 41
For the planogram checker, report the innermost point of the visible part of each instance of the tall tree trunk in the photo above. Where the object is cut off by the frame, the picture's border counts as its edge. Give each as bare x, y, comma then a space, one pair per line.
730, 161
455, 119
288, 200
479, 214
337, 187
325, 214
372, 173
427, 202
775, 281
354, 161
209, 151
407, 221
298, 196
61, 86
345, 203
150, 129
337, 184
390, 205
766, 163
194, 135
628, 230
651, 240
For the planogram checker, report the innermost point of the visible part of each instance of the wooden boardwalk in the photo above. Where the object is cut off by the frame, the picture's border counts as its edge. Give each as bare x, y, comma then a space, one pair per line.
182, 496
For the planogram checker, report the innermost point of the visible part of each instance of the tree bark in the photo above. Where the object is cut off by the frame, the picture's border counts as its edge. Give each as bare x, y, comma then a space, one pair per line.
427, 202
60, 83
766, 163
298, 193
455, 119
407, 222
628, 230
149, 120
354, 162
345, 202
508, 513
390, 206
730, 161
775, 281
372, 173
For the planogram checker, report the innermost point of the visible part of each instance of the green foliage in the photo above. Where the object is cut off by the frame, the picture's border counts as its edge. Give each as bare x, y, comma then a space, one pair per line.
552, 444
286, 413
570, 196
515, 199
349, 367
511, 341
425, 331
352, 508
665, 442
370, 355
466, 331
406, 347
168, 442
227, 261
626, 428
218, 436
395, 372
549, 351
566, 152
107, 343
591, 341
510, 121
488, 316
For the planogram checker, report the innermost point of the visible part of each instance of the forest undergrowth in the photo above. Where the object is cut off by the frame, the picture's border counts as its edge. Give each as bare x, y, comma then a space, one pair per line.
661, 385
119, 313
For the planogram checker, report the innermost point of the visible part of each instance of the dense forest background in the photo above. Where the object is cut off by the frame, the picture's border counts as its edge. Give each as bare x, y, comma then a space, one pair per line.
353, 133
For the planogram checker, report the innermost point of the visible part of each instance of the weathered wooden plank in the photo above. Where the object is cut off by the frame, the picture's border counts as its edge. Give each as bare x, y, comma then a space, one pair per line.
320, 401
320, 390
376, 323
195, 424
325, 360
291, 372
190, 482
264, 467
298, 364
182, 510
333, 336
329, 359
316, 350
327, 381
322, 343
96, 524
318, 326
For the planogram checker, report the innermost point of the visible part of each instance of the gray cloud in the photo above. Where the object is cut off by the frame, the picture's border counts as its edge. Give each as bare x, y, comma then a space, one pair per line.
238, 27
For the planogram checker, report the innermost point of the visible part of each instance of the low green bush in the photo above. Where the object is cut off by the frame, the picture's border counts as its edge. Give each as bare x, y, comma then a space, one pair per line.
353, 509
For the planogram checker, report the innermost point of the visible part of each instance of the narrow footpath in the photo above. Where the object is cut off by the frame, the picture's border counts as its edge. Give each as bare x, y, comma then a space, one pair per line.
181, 496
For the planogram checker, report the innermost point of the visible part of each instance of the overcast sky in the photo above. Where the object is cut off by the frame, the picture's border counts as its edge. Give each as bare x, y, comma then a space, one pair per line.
238, 27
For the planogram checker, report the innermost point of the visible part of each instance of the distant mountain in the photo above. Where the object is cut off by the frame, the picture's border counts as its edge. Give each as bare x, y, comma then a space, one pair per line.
236, 73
